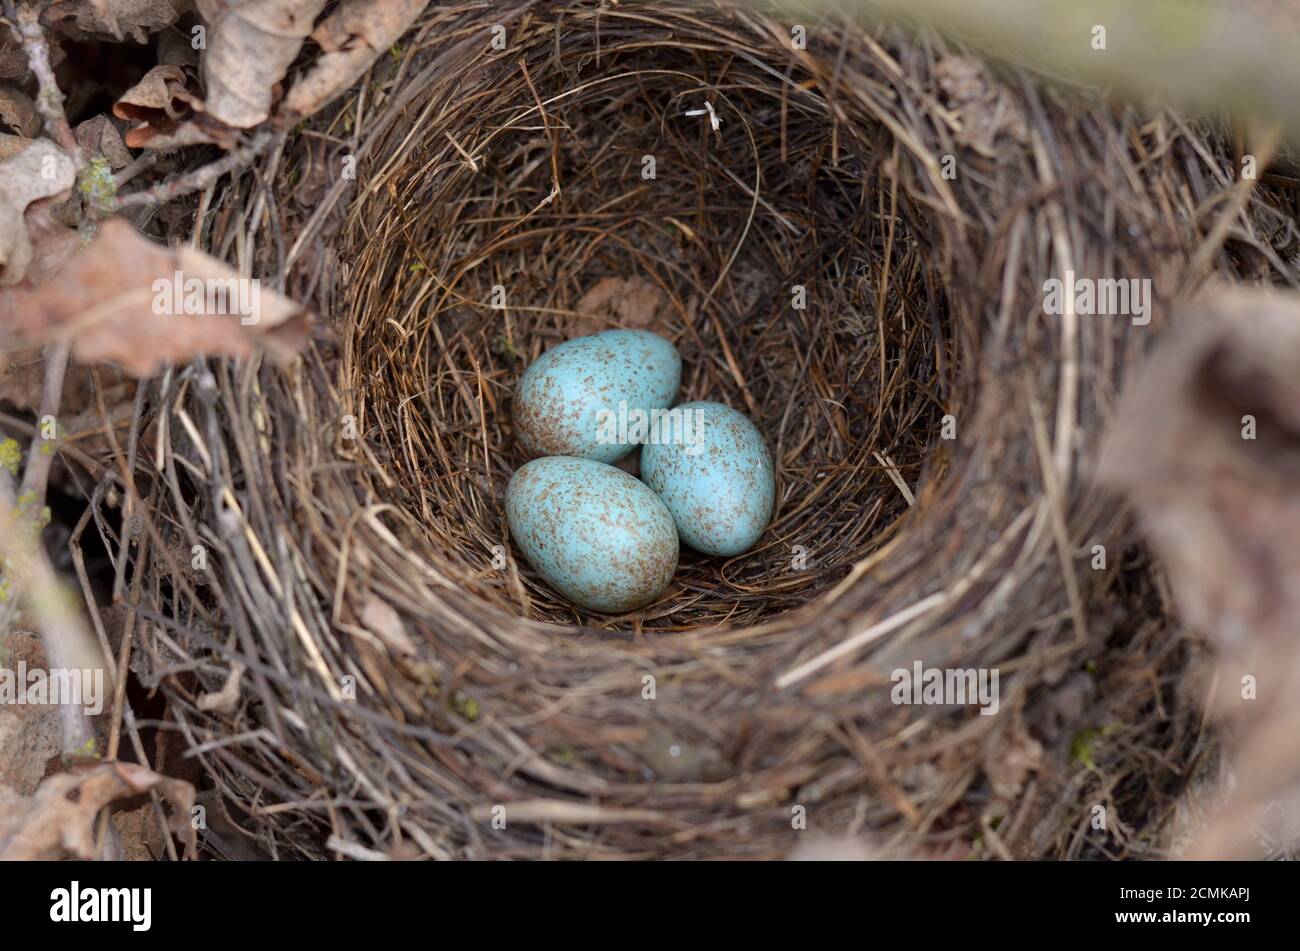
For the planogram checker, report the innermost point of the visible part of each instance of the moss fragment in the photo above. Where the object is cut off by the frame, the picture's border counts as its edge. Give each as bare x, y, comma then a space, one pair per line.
10, 455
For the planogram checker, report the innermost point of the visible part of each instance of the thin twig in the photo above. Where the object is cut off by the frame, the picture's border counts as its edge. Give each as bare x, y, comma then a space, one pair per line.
141, 164
49, 100
29, 499
198, 179
859, 640
64, 636
40, 458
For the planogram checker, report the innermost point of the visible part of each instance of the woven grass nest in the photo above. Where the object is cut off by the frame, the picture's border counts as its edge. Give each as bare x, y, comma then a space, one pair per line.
398, 681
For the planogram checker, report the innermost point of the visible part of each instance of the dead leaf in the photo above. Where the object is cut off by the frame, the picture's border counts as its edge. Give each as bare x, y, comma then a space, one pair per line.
226, 699
52, 245
31, 736
1207, 448
13, 59
138, 831
630, 303
201, 130
251, 44
109, 19
351, 39
384, 622
163, 89
100, 138
42, 170
18, 112
58, 820
170, 114
123, 299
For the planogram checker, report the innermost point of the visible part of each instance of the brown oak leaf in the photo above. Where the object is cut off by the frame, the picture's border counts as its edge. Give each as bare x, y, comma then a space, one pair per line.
58, 820
139, 304
109, 19
351, 39
170, 113
251, 44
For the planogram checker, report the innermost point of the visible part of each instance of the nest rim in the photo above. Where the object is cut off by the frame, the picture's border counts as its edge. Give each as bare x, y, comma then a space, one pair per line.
464, 704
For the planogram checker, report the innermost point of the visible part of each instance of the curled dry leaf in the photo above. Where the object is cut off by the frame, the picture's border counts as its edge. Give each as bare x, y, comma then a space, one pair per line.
1207, 447
163, 89
351, 39
225, 700
171, 115
109, 19
139, 304
58, 820
42, 170
251, 44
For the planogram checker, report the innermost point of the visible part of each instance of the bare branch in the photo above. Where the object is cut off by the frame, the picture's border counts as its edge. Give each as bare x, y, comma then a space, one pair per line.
200, 178
49, 101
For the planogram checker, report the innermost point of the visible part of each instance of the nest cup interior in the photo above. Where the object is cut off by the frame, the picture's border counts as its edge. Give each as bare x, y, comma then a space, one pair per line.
523, 207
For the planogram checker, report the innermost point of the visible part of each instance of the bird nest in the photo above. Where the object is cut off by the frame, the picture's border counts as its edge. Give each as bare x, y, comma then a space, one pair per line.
845, 230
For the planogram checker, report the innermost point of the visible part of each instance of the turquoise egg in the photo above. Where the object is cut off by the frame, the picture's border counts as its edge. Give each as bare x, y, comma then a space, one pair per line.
585, 396
596, 534
713, 471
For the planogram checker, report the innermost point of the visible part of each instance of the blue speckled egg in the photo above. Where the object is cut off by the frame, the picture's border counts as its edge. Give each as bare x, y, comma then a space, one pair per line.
582, 398
597, 535
716, 477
